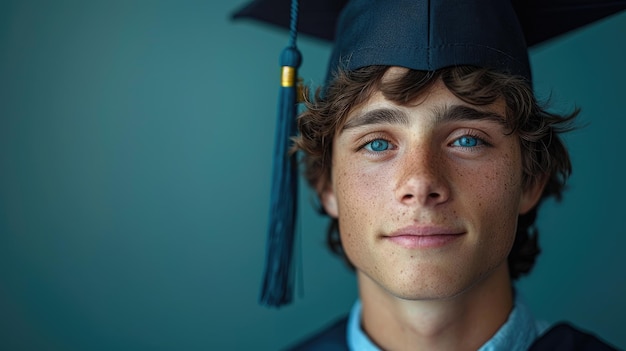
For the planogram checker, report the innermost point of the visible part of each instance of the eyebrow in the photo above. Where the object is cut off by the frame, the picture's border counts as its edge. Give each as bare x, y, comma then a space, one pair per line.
467, 113
442, 114
378, 116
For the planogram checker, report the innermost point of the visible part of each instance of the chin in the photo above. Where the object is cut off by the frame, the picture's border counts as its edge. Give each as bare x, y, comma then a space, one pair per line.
428, 292
438, 284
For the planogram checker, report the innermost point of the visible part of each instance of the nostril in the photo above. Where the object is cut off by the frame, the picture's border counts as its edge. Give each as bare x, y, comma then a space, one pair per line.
433, 195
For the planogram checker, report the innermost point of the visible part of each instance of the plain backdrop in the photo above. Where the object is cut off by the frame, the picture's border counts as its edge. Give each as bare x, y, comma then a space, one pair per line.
135, 153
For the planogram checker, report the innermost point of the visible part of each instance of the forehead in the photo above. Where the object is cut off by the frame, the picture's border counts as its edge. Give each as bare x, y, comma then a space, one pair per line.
435, 100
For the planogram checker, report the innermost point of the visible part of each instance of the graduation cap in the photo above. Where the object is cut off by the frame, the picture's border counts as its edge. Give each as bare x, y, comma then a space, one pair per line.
419, 34
540, 20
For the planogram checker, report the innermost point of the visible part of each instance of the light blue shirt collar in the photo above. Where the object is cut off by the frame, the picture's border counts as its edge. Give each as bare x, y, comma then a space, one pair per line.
518, 333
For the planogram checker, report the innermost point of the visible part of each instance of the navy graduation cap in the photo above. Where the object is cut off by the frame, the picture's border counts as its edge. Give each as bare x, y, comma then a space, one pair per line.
419, 34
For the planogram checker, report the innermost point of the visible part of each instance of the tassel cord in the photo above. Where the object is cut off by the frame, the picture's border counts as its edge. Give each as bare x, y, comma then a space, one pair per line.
278, 280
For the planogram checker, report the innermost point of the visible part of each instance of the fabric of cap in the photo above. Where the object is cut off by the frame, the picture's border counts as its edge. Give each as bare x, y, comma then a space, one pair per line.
429, 35
541, 20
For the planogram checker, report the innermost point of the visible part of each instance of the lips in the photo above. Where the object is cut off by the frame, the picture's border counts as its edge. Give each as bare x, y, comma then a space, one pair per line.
416, 237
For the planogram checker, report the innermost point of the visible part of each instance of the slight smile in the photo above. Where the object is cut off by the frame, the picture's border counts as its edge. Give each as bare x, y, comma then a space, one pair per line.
421, 237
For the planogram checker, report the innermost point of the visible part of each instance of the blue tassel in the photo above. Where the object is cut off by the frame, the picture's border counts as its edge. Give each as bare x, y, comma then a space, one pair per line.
278, 277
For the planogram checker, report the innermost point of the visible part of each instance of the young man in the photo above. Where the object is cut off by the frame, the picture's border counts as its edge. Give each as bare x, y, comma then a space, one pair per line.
430, 153
432, 174
425, 175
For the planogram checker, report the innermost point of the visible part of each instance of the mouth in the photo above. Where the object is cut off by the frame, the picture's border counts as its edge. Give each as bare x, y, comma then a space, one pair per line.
422, 237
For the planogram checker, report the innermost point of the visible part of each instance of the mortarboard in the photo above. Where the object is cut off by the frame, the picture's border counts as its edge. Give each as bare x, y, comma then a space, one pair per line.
540, 20
419, 34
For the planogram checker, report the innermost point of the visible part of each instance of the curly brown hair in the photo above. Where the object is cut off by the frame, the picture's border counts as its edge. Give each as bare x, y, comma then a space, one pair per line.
544, 157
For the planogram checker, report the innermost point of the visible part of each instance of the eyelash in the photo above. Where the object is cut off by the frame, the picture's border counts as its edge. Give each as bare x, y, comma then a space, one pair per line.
374, 138
474, 135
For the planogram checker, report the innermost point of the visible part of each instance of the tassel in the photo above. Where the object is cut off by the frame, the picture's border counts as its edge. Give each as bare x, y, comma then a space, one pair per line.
278, 277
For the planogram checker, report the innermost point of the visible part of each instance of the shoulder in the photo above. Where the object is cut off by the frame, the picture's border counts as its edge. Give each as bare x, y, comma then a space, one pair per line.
331, 338
564, 337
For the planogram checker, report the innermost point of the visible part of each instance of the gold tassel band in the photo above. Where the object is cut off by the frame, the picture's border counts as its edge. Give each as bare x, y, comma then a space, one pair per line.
288, 77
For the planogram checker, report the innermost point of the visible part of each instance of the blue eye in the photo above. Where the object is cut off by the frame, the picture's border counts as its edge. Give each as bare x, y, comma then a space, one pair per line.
467, 141
377, 145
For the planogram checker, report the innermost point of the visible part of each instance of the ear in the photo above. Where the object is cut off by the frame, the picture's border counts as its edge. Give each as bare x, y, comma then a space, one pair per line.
329, 201
532, 194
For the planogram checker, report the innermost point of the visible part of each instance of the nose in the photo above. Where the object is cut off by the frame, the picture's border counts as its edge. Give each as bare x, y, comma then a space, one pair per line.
422, 178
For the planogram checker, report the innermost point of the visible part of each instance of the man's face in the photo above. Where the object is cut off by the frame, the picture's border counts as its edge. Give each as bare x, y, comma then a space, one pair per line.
427, 195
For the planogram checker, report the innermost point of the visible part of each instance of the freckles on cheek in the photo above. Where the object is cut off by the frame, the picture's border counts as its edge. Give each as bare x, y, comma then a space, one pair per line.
355, 183
355, 194
504, 193
357, 202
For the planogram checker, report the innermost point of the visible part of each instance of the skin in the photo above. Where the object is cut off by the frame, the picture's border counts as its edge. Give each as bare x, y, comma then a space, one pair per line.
436, 166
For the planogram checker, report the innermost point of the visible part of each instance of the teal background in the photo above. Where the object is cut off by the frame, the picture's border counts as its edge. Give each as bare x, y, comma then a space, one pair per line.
135, 153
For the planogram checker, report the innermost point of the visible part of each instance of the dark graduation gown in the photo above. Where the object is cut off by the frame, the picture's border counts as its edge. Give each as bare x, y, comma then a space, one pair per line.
560, 337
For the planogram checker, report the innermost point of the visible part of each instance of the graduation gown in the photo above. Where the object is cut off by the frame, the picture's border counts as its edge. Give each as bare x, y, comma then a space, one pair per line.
561, 337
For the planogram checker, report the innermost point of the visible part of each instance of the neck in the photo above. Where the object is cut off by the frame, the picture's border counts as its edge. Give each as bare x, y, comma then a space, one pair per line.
463, 322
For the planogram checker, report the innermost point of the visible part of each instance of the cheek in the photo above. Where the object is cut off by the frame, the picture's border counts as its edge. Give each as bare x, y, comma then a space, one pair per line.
354, 195
507, 190
497, 200
357, 187
360, 202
